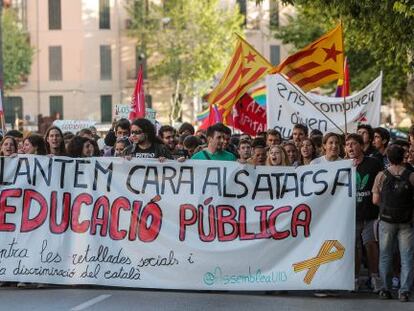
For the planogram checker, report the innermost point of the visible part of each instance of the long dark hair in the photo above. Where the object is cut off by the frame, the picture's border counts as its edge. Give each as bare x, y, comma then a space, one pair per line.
313, 155
149, 130
75, 146
13, 140
62, 149
38, 142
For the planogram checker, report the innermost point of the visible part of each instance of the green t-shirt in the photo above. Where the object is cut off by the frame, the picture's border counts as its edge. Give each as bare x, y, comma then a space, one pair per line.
219, 156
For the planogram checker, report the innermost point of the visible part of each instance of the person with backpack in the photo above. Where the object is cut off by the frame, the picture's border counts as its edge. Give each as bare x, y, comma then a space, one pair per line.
393, 191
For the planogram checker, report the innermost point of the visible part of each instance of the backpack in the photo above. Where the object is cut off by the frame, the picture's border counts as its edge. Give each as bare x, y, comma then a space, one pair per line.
396, 198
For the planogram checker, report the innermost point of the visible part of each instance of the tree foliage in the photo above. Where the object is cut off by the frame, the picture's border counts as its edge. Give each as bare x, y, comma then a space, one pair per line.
17, 52
188, 42
378, 36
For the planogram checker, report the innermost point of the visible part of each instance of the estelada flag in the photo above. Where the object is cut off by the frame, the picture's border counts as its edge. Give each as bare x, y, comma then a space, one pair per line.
247, 66
138, 98
343, 85
318, 63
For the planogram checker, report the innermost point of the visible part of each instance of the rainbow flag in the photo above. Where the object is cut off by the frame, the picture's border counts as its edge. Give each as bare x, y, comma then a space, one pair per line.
259, 95
203, 114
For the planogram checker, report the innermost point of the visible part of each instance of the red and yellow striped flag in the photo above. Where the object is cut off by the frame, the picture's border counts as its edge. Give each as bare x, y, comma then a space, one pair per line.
247, 66
318, 63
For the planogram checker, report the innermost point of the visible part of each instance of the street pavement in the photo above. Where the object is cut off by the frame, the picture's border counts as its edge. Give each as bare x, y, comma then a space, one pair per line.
111, 299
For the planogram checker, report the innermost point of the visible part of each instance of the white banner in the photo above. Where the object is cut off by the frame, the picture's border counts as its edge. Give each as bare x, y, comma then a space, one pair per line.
194, 225
73, 126
122, 111
288, 105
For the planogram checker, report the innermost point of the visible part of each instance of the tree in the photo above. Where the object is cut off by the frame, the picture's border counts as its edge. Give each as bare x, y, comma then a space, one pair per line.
188, 42
17, 52
378, 36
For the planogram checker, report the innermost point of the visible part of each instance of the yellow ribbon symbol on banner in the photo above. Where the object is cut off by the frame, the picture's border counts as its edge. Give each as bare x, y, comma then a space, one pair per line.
325, 255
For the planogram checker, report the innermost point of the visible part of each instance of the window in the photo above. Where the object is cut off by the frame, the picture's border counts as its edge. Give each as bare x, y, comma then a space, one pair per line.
13, 108
243, 10
106, 108
273, 14
56, 106
55, 63
106, 62
55, 16
275, 54
104, 15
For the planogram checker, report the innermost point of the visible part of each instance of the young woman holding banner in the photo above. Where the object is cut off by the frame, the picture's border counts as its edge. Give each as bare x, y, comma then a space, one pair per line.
8, 146
277, 156
332, 146
307, 152
34, 144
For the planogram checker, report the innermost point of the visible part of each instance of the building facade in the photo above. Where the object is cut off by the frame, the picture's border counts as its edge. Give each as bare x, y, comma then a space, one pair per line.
84, 63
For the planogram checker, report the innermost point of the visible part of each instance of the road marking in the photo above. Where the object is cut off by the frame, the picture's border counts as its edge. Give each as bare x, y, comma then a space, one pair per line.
89, 303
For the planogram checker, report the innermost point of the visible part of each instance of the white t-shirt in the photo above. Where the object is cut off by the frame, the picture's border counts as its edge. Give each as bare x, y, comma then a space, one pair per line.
322, 160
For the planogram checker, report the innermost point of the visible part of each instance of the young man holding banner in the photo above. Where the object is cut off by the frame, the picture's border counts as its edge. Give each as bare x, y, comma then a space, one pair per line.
215, 145
367, 169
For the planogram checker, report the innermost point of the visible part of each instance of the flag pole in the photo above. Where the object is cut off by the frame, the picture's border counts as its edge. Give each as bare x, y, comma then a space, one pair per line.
3, 124
2, 120
343, 79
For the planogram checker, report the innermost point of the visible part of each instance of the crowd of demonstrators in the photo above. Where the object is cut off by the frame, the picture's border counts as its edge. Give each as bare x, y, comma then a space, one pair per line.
384, 215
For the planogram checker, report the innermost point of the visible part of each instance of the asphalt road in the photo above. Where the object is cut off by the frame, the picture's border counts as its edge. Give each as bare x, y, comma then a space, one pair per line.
110, 299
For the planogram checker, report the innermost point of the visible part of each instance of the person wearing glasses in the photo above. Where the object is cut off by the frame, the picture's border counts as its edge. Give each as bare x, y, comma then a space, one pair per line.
145, 143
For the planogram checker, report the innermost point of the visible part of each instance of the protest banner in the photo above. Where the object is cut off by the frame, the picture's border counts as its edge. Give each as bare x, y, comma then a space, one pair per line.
288, 105
122, 111
205, 225
73, 126
249, 116
151, 114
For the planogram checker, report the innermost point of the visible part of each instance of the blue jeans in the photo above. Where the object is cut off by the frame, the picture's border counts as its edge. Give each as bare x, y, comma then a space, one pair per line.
389, 235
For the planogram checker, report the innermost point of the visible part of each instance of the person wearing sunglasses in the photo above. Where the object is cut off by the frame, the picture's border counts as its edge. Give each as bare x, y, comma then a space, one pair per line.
145, 143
